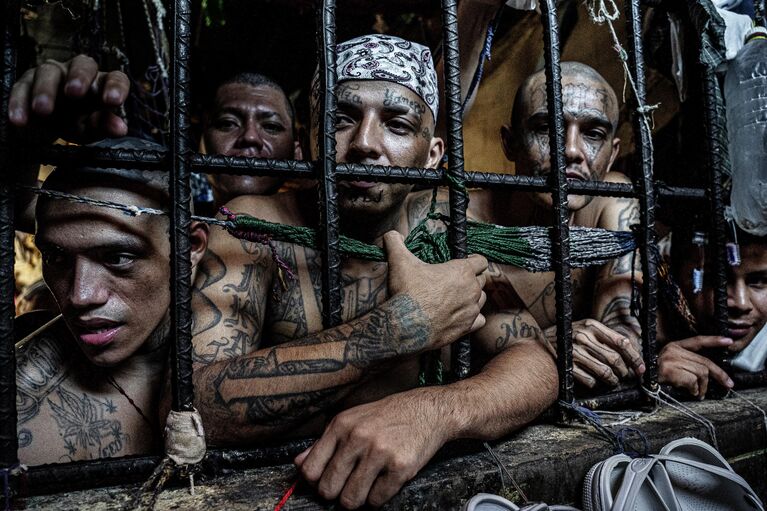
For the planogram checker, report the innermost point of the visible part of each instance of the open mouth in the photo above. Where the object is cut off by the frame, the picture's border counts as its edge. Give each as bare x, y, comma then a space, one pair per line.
571, 174
98, 332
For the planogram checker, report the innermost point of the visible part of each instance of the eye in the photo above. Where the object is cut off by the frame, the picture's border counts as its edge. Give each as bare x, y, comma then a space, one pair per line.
541, 129
226, 124
595, 134
53, 256
757, 281
400, 126
343, 120
273, 127
119, 260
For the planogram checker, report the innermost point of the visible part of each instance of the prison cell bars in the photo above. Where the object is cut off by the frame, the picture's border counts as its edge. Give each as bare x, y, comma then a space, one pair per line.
182, 160
8, 435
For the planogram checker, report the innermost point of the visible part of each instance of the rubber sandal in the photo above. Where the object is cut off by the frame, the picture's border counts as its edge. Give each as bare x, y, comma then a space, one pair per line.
622, 484
490, 502
703, 480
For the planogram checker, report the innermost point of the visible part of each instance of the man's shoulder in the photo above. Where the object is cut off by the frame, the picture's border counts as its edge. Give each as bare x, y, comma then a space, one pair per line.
279, 207
615, 213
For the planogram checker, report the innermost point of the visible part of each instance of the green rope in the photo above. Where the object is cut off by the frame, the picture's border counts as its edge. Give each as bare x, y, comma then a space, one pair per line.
523, 247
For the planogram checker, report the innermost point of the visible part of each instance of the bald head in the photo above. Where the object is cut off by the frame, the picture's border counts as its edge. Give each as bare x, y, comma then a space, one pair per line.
578, 81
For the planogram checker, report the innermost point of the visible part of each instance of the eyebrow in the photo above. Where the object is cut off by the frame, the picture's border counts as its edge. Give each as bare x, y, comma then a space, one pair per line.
260, 114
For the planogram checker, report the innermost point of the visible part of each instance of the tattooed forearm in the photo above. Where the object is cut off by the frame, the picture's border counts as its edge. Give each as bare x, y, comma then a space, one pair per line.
514, 329
617, 316
289, 380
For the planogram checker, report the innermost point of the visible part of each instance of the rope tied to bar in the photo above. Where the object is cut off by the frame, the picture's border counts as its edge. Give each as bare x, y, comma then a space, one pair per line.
663, 398
6, 473
605, 12
184, 449
620, 439
523, 247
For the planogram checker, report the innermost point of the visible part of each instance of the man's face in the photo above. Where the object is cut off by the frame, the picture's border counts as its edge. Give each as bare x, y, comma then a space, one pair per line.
108, 272
590, 112
381, 123
251, 121
746, 297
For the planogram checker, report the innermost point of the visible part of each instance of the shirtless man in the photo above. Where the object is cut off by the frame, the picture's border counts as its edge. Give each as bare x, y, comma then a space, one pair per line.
265, 366
250, 115
681, 362
88, 384
605, 335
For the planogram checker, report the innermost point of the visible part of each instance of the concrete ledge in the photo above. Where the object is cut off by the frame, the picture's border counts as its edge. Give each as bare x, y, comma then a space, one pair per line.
548, 462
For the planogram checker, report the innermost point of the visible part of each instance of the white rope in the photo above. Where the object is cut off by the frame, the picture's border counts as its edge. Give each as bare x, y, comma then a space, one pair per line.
131, 210
606, 11
664, 399
618, 418
503, 471
754, 405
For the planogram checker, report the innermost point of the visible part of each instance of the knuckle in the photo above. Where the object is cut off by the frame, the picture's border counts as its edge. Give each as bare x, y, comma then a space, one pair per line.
349, 501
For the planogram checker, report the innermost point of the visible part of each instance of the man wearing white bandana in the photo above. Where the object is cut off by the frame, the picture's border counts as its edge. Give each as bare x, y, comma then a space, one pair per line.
266, 368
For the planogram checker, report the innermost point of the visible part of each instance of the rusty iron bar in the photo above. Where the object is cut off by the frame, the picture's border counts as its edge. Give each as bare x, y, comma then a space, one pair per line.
182, 388
645, 186
8, 437
459, 199
329, 234
561, 212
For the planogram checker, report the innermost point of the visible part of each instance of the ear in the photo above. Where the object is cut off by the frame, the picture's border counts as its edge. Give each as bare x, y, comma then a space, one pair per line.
198, 237
616, 149
507, 142
436, 150
298, 153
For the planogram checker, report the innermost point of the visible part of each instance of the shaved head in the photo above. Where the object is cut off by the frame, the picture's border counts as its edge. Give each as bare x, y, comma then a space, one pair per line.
575, 75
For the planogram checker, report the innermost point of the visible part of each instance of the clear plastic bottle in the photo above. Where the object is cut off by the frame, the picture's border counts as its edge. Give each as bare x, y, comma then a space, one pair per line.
745, 89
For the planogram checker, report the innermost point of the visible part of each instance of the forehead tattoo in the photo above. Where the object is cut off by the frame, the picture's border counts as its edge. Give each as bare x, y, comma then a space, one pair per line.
576, 97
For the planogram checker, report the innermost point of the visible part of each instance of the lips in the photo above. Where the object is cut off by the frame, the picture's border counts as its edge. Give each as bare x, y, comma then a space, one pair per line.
96, 332
738, 330
571, 174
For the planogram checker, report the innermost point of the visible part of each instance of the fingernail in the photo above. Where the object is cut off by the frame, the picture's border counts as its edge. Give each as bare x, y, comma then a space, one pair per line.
641, 369
15, 115
40, 102
73, 85
730, 383
727, 340
113, 95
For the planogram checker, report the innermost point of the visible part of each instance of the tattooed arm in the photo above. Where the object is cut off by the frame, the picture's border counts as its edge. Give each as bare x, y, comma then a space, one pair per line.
368, 452
246, 393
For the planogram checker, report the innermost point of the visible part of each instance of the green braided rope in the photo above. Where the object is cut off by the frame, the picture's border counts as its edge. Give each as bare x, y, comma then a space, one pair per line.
523, 247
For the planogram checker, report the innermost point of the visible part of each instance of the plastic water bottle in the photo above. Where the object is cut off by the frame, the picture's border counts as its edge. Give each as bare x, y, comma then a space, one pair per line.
745, 89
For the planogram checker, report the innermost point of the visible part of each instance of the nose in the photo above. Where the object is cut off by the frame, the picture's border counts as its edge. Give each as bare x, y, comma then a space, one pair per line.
738, 301
87, 287
251, 136
573, 149
365, 142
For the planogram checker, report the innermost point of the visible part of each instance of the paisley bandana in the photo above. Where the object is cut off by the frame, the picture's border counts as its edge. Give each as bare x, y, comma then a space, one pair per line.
391, 59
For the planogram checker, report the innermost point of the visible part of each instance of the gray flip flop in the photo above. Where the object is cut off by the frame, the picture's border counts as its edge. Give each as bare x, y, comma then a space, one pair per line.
622, 484
703, 480
490, 502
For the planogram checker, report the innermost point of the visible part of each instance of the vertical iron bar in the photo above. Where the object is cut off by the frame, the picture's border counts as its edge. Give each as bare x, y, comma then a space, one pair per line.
561, 241
8, 438
718, 223
329, 236
179, 153
459, 200
643, 157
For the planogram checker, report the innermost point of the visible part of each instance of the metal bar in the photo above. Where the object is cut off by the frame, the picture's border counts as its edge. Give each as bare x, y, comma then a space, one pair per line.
329, 235
459, 199
718, 223
8, 439
612, 399
238, 165
181, 267
561, 212
643, 159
